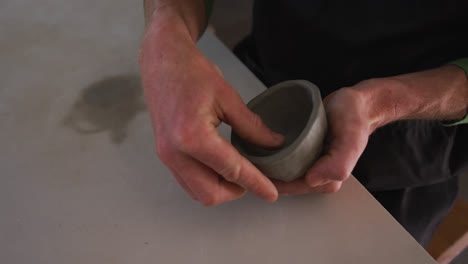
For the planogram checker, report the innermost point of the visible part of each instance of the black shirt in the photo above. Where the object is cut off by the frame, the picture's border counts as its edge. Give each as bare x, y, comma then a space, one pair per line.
339, 43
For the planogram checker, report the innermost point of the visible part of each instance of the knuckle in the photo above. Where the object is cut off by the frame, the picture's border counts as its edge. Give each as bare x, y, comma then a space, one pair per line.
232, 173
354, 96
183, 138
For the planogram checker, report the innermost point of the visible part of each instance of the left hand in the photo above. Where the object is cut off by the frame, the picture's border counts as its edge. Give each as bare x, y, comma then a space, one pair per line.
349, 127
353, 113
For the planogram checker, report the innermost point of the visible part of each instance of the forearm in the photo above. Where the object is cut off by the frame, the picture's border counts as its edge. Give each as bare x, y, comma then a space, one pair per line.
172, 28
438, 94
190, 14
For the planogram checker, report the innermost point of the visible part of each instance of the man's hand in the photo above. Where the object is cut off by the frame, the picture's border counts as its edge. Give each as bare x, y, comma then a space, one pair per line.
348, 130
188, 98
354, 113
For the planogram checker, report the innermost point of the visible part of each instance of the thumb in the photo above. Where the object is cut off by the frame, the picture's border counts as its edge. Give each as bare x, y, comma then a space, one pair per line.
249, 125
339, 158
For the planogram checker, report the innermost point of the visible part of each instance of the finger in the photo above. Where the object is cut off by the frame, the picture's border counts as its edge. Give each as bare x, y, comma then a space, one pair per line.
170, 157
300, 186
222, 157
219, 71
247, 124
184, 186
339, 159
331, 187
205, 184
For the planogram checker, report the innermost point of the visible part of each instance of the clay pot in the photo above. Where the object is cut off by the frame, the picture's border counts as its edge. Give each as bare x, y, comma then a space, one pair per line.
294, 109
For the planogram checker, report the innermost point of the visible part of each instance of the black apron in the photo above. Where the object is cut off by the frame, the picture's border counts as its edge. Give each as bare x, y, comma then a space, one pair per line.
409, 166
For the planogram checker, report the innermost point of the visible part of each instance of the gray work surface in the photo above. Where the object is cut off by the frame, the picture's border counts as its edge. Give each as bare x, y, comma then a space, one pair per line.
462, 258
80, 181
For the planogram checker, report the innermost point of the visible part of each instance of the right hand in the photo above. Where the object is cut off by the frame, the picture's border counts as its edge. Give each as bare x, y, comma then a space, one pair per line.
187, 99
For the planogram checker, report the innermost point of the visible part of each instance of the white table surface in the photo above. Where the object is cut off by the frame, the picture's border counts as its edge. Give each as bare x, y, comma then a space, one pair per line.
80, 181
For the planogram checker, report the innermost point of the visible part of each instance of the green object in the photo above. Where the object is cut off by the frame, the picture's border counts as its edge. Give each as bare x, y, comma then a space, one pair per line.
462, 63
208, 10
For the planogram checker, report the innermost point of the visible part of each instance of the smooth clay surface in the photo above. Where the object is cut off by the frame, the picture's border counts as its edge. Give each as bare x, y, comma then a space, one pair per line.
294, 109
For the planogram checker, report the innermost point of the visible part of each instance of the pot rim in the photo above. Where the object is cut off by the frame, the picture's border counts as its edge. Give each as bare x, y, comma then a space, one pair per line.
313, 92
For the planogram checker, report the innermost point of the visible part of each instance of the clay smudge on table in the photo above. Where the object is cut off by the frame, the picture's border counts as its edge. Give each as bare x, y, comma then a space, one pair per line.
107, 105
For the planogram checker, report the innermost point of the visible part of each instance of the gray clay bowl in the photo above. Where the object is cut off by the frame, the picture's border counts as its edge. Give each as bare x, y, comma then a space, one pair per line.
295, 110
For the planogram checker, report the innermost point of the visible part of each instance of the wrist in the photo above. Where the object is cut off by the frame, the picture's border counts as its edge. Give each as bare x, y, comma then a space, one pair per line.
383, 100
167, 21
188, 16
165, 34
437, 94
